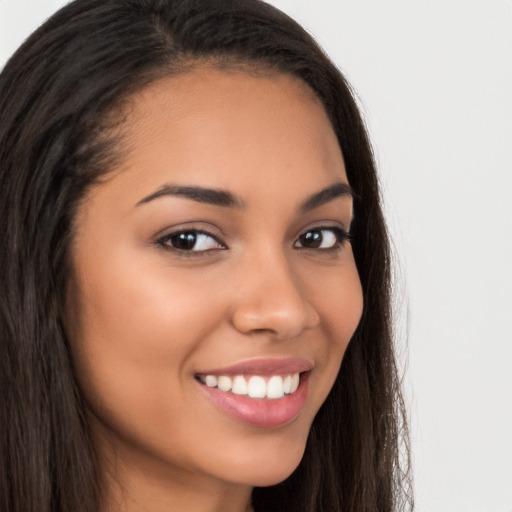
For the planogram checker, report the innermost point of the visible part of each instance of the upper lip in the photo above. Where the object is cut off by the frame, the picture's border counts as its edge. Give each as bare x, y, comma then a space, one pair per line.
285, 366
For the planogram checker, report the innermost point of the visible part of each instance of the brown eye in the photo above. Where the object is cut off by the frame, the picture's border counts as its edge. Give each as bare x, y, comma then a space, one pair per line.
183, 241
322, 238
311, 239
193, 241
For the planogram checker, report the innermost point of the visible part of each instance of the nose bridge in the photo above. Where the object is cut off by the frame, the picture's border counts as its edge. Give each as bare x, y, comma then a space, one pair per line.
271, 297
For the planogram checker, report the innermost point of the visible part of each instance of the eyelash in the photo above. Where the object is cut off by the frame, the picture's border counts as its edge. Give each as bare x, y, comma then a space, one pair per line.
166, 240
340, 237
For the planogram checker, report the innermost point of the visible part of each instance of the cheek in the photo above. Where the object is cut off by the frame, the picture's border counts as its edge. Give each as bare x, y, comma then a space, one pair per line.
345, 307
136, 331
141, 310
338, 297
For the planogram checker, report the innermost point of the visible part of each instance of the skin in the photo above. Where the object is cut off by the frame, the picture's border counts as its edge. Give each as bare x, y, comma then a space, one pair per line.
145, 318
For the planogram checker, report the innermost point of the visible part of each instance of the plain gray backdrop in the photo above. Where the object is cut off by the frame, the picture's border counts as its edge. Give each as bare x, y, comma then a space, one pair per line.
434, 79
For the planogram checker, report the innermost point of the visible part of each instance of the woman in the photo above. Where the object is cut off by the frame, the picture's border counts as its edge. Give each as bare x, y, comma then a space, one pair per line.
193, 245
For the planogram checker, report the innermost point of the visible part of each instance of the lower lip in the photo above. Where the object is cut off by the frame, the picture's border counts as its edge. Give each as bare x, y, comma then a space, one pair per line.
261, 412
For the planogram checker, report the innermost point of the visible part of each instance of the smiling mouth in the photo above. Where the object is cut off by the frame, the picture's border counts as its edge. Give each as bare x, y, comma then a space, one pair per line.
267, 401
270, 387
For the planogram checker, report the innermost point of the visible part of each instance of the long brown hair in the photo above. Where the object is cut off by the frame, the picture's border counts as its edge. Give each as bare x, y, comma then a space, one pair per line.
57, 95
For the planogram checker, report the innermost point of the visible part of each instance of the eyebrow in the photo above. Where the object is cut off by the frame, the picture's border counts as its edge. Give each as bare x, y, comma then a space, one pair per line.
199, 194
327, 195
224, 198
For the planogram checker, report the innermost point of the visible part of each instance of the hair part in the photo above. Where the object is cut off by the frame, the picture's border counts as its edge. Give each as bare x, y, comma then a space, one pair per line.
62, 104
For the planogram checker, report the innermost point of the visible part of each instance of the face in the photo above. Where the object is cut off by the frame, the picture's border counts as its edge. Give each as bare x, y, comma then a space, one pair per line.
214, 289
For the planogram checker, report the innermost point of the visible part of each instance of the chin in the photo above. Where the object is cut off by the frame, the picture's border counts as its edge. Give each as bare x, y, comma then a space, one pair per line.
270, 470
274, 477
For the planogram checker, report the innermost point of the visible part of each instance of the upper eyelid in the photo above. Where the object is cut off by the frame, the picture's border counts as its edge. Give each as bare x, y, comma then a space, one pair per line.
336, 229
325, 225
198, 231
196, 226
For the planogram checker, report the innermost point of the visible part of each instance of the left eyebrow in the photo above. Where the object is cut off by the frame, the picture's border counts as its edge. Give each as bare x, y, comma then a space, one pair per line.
326, 195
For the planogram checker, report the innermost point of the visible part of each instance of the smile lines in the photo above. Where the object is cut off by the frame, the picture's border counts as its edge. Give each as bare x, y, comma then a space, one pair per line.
255, 386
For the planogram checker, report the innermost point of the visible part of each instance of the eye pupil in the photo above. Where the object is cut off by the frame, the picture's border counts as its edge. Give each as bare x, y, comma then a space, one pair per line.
311, 239
184, 241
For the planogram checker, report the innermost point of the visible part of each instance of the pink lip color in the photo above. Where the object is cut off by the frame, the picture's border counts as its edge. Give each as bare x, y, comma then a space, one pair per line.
264, 367
262, 412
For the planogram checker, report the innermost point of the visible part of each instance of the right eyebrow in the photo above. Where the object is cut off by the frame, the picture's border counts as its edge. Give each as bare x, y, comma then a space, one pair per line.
212, 196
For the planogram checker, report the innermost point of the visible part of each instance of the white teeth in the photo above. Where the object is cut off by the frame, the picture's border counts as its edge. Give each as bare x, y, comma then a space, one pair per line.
257, 388
287, 384
254, 386
295, 383
275, 387
211, 381
224, 383
239, 386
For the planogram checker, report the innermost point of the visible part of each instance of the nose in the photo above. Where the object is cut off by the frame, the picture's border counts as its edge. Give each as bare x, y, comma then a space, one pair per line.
271, 300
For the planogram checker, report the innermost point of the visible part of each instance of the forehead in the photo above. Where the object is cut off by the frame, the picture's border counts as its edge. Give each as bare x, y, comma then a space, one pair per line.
229, 129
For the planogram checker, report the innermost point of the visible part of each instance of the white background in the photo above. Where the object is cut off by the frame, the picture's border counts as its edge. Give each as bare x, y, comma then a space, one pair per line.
435, 82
